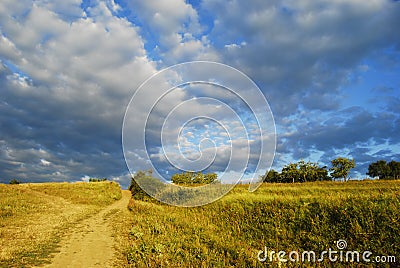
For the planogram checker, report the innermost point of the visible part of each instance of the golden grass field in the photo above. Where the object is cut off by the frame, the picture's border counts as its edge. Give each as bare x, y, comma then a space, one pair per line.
231, 231
227, 233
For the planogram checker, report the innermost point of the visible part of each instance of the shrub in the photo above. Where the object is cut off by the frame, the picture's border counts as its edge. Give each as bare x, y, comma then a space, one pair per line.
97, 179
192, 178
147, 181
14, 181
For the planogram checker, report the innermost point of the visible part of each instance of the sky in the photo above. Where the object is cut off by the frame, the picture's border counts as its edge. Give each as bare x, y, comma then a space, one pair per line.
69, 70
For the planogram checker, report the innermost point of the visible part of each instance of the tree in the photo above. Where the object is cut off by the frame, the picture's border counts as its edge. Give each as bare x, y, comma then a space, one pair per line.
143, 178
309, 171
272, 176
379, 169
97, 179
384, 170
290, 173
210, 177
322, 174
303, 172
14, 181
192, 178
341, 167
394, 169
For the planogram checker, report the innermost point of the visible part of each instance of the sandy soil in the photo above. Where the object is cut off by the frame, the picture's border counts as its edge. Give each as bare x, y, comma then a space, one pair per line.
90, 244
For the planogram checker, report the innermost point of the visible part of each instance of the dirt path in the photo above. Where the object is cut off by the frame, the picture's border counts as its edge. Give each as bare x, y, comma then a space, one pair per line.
90, 244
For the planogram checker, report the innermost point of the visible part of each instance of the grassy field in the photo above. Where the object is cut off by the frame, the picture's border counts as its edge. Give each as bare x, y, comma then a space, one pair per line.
281, 217
226, 233
33, 217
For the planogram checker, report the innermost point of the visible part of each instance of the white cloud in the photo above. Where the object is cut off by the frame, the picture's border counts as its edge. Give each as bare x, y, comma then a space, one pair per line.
168, 16
176, 25
85, 178
68, 73
67, 9
293, 46
72, 81
45, 163
114, 6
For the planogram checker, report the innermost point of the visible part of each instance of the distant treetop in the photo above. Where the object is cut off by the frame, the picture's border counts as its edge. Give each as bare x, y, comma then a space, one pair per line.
97, 179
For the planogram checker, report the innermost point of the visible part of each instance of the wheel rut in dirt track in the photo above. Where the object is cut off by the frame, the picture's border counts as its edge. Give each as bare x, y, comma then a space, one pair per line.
90, 243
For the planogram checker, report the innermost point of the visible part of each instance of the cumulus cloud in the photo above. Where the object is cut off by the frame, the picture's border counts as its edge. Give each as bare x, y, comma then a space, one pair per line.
305, 54
69, 68
304, 50
176, 27
65, 86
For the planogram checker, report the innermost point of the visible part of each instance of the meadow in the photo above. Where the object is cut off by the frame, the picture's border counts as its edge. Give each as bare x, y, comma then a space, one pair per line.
230, 232
282, 217
34, 217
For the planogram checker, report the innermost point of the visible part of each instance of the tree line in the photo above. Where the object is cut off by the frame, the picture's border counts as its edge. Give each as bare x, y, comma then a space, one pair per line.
384, 170
310, 171
300, 171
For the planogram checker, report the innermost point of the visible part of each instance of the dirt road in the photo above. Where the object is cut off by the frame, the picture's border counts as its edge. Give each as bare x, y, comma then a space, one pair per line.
91, 244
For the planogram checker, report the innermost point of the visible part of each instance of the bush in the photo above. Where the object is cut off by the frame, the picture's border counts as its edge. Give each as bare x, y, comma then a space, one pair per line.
14, 181
192, 178
147, 181
97, 179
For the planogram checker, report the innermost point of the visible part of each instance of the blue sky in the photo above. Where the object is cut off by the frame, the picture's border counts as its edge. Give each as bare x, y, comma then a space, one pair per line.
68, 69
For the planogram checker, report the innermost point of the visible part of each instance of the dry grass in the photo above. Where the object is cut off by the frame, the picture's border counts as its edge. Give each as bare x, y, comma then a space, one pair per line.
227, 233
33, 217
121, 221
231, 231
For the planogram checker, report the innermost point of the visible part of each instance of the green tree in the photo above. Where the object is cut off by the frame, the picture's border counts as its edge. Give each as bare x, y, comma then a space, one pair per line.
322, 174
379, 169
341, 167
97, 179
290, 173
192, 178
310, 171
146, 179
303, 172
210, 177
14, 181
394, 169
384, 170
272, 176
